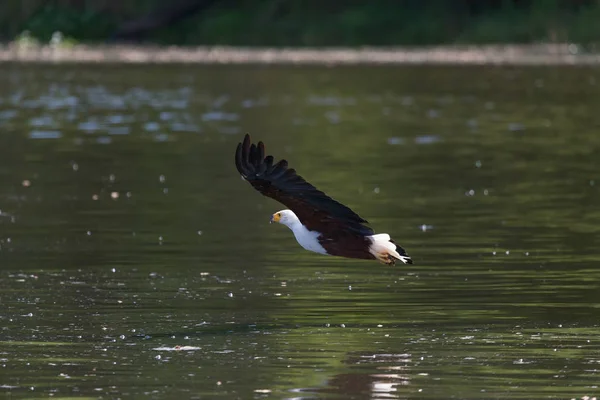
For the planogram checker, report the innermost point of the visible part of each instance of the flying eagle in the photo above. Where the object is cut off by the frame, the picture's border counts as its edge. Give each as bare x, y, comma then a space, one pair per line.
319, 223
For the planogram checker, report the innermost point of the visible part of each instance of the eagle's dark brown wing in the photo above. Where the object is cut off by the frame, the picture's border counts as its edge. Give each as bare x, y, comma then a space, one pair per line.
317, 211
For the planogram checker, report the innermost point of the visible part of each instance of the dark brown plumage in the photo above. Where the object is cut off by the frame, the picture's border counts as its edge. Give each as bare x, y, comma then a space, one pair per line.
313, 207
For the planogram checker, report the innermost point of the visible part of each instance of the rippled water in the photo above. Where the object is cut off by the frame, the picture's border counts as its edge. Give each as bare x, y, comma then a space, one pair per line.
135, 262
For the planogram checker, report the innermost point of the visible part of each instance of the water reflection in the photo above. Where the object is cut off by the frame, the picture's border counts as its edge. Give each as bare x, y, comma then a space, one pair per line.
135, 261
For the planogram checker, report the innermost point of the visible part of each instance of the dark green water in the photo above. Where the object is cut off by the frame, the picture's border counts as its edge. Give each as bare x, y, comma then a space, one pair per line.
125, 231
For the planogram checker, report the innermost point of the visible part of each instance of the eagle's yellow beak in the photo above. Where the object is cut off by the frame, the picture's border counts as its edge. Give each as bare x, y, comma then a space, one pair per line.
275, 218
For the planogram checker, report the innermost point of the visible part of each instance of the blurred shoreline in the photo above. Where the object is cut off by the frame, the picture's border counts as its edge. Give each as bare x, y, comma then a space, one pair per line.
537, 54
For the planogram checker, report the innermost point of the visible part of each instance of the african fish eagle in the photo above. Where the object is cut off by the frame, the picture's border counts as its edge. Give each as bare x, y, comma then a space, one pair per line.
319, 223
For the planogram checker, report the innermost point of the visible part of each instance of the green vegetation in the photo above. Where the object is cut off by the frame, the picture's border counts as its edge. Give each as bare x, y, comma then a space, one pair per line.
311, 23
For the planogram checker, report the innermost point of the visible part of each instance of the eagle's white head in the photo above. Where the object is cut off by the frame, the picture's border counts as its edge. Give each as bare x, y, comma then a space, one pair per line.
285, 217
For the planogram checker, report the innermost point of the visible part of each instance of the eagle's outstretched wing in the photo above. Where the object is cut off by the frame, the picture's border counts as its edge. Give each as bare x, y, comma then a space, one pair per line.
317, 211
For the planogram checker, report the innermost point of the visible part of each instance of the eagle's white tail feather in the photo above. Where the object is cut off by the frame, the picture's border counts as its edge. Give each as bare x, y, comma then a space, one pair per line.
382, 248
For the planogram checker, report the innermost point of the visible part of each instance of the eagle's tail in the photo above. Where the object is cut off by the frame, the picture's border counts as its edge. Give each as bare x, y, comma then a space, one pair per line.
386, 251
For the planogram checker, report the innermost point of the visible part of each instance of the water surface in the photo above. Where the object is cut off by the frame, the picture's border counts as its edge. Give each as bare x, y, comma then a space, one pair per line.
136, 262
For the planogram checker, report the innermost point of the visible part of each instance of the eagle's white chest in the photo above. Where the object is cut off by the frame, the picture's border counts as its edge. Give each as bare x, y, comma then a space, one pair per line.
307, 239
